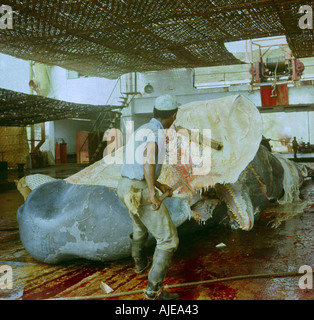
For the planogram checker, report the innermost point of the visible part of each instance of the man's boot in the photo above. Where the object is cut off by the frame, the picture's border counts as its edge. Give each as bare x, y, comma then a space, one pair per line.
138, 252
156, 275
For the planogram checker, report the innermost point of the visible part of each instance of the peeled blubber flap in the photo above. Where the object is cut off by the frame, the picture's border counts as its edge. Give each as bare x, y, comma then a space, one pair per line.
234, 122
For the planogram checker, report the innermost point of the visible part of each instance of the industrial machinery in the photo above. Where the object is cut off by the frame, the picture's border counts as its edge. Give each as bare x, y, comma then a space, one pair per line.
275, 68
273, 73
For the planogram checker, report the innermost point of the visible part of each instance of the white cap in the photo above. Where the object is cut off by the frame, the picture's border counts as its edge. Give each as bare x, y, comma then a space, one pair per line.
166, 103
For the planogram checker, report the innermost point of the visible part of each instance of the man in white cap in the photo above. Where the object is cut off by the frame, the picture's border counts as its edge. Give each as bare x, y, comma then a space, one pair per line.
140, 170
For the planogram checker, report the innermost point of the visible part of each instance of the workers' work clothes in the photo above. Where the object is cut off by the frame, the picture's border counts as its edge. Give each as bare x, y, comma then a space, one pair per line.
132, 166
159, 223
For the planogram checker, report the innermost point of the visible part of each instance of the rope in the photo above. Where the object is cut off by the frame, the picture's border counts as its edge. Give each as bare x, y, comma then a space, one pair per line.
188, 284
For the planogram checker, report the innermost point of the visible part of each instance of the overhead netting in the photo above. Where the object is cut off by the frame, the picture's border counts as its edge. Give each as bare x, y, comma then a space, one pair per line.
111, 38
20, 109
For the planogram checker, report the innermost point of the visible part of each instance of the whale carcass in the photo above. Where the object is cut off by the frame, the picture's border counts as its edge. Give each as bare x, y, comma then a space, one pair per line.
83, 217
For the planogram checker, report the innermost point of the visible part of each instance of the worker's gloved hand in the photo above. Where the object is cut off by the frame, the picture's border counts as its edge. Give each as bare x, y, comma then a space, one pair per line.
154, 201
163, 188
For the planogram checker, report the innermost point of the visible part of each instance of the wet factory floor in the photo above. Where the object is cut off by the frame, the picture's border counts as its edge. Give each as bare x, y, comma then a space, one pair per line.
270, 249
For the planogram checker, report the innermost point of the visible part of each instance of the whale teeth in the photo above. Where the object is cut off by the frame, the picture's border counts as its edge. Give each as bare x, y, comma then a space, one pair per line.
237, 206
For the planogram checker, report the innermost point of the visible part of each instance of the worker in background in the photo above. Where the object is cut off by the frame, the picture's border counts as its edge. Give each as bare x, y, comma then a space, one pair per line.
295, 147
136, 189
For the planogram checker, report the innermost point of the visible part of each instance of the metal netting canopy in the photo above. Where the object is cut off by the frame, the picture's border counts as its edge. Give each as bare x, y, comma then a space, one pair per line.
113, 37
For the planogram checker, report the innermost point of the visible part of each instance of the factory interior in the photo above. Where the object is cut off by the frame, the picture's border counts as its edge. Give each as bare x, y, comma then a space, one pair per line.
75, 74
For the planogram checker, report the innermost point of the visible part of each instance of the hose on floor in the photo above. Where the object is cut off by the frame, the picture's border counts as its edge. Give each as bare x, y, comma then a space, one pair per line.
188, 284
